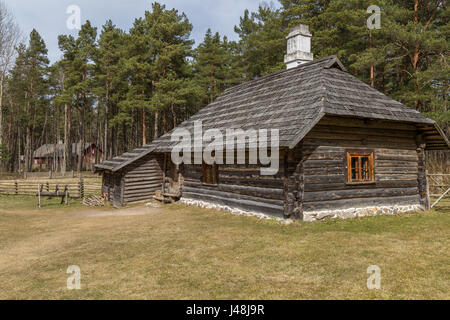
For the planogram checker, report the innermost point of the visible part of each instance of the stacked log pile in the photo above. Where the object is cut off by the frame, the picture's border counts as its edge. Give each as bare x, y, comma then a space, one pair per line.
94, 201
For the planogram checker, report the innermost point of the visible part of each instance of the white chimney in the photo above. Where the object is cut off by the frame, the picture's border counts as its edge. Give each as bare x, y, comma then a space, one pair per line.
298, 46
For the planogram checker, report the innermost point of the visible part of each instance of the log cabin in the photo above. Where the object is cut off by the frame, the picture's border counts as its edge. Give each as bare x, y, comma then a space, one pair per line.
344, 148
50, 156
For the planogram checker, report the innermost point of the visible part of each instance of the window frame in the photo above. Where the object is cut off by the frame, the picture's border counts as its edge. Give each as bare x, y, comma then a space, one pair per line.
214, 173
349, 154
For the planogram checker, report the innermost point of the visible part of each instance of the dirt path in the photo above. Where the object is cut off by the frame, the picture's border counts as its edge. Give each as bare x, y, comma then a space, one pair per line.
135, 211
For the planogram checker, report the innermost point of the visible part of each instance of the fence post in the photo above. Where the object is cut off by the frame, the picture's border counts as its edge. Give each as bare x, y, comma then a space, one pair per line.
428, 201
47, 187
39, 195
16, 187
50, 174
81, 188
66, 192
72, 174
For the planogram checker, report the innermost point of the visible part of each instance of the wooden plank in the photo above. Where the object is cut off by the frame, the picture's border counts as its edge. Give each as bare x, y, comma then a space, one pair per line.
270, 193
359, 193
230, 195
254, 206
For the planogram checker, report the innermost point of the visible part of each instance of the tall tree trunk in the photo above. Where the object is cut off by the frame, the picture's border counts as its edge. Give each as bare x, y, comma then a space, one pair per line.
80, 148
415, 60
372, 67
68, 140
19, 147
174, 115
105, 145
1, 108
27, 149
156, 124
144, 132
65, 149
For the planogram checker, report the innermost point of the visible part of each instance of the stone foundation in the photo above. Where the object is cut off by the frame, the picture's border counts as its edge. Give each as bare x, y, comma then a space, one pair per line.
235, 211
359, 212
311, 216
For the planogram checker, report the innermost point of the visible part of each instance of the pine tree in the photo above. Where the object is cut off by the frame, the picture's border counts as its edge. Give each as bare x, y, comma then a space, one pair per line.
29, 83
79, 71
263, 41
211, 66
418, 35
159, 45
111, 81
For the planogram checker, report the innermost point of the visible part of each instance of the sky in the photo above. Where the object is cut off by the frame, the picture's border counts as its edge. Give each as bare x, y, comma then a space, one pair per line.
49, 17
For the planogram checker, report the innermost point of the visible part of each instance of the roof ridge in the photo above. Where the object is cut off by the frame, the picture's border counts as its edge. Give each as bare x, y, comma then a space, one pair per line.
306, 64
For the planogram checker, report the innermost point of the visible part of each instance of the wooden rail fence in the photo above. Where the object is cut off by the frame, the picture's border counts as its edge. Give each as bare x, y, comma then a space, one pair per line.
76, 190
439, 185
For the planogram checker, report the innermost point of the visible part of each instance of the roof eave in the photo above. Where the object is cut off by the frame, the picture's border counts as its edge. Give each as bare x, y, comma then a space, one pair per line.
126, 163
445, 140
299, 137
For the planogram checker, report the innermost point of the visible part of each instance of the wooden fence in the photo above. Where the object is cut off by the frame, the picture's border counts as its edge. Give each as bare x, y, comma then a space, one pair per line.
439, 185
48, 175
76, 190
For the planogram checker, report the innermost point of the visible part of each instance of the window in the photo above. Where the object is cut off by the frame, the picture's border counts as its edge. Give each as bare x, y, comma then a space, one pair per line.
210, 174
360, 167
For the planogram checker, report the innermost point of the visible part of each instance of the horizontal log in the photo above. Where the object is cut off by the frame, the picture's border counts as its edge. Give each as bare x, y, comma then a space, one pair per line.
138, 172
230, 195
358, 193
361, 123
338, 155
143, 180
395, 177
35, 189
252, 206
141, 192
396, 157
323, 171
270, 193
323, 163
142, 187
232, 171
324, 149
395, 163
265, 183
383, 132
377, 184
357, 144
333, 135
401, 170
337, 178
140, 198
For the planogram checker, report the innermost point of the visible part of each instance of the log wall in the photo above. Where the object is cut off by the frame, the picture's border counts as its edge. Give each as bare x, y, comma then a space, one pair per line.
142, 178
396, 165
112, 186
239, 186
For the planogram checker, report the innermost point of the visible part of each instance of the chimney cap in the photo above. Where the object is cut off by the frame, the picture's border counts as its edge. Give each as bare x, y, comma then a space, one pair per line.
299, 29
298, 46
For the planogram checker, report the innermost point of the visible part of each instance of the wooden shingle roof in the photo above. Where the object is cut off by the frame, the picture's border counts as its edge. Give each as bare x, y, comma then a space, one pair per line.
292, 101
50, 150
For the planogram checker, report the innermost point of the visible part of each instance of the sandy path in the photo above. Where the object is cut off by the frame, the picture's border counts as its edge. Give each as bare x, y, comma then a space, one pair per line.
136, 211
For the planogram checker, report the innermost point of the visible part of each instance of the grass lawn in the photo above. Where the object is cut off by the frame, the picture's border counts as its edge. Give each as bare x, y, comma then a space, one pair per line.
180, 252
